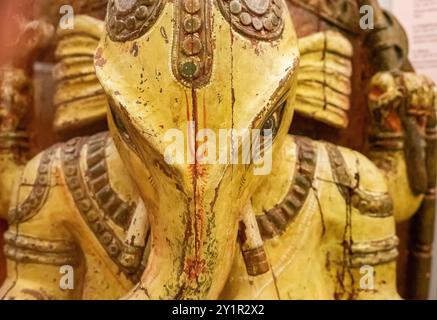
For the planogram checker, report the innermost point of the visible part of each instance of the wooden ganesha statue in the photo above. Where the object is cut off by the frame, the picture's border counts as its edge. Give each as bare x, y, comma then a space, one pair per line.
179, 200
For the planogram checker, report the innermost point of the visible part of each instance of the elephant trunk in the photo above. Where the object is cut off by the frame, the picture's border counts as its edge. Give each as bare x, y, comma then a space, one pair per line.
194, 229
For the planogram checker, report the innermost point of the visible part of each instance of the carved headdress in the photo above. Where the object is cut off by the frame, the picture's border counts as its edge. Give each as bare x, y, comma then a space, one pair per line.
169, 60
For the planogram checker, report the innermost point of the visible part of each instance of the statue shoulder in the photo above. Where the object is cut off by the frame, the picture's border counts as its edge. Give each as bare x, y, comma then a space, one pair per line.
353, 170
359, 181
361, 172
84, 174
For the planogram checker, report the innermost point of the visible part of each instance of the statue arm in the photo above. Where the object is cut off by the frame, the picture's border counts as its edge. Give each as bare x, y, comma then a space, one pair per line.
364, 248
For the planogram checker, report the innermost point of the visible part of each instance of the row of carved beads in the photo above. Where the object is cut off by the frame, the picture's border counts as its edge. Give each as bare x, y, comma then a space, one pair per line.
98, 181
276, 220
191, 43
126, 257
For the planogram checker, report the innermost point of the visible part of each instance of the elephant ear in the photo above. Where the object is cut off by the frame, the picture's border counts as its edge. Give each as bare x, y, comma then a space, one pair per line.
79, 98
324, 78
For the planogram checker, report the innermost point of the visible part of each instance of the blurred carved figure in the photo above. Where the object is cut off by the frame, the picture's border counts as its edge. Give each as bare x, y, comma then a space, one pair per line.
15, 104
21, 41
357, 88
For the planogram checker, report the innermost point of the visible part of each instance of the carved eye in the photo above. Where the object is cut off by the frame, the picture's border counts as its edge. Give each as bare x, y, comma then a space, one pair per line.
124, 134
120, 126
270, 127
273, 122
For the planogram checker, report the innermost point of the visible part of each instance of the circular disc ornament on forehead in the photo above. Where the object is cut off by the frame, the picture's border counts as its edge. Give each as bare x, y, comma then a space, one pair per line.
257, 6
130, 19
259, 19
124, 6
202, 47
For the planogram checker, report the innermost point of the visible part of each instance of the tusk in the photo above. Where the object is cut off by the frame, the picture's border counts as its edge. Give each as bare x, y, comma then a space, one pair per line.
136, 234
251, 243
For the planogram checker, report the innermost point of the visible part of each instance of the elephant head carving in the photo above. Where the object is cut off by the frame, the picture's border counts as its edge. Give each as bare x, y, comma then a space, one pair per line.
192, 71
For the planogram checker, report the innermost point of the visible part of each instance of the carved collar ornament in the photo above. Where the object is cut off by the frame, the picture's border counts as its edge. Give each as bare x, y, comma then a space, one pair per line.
275, 221
109, 205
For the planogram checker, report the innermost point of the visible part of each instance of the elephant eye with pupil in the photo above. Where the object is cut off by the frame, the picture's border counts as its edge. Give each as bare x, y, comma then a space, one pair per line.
273, 122
270, 125
120, 125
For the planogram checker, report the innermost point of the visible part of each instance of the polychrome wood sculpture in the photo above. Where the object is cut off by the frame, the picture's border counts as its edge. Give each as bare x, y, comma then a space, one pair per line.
198, 191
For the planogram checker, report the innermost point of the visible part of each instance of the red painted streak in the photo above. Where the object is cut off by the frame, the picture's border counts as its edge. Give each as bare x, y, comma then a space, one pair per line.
194, 264
204, 126
199, 213
189, 132
204, 111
